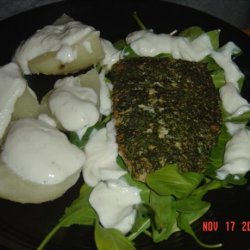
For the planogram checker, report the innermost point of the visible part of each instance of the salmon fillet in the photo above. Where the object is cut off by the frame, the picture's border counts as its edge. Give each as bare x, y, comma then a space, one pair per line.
166, 111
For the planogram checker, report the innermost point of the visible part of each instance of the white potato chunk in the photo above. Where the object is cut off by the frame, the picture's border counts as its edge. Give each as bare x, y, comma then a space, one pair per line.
26, 105
88, 52
15, 188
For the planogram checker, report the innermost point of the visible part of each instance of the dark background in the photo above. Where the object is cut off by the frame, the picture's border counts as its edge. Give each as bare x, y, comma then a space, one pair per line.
235, 12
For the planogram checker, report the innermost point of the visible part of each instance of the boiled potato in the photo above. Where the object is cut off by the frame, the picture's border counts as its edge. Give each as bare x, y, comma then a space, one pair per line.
48, 64
91, 80
26, 106
15, 188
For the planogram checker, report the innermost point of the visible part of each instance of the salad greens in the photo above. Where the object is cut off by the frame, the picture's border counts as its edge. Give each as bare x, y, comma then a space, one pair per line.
171, 200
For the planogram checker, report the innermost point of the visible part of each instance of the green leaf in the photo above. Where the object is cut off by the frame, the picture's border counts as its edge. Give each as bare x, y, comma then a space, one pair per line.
164, 216
192, 32
243, 118
217, 155
190, 205
183, 224
168, 181
145, 191
236, 180
120, 44
79, 212
81, 143
210, 185
109, 238
142, 221
241, 82
214, 38
128, 52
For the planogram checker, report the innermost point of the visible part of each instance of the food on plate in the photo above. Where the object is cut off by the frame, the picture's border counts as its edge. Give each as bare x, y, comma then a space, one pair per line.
166, 111
74, 102
60, 49
26, 105
38, 163
17, 100
151, 124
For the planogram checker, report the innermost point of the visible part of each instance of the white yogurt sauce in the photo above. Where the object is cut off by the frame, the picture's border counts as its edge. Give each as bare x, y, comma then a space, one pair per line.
52, 38
66, 54
223, 58
111, 54
101, 153
12, 86
40, 153
237, 155
105, 95
74, 106
115, 203
147, 43
232, 101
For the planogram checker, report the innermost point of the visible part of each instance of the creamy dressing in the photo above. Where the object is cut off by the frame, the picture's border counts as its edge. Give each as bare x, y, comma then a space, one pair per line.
105, 95
115, 203
232, 101
237, 155
66, 54
111, 54
223, 58
12, 86
52, 38
40, 153
147, 43
101, 153
74, 106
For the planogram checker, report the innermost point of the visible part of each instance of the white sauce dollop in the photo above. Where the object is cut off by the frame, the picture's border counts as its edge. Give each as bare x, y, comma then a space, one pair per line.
66, 54
52, 38
115, 203
147, 43
237, 155
74, 106
12, 86
111, 54
40, 153
232, 101
105, 95
101, 153
223, 58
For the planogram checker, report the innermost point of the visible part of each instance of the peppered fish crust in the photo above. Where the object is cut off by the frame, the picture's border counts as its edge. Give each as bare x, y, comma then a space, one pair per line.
166, 111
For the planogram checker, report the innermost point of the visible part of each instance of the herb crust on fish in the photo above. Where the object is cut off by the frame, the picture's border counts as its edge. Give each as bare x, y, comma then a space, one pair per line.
166, 111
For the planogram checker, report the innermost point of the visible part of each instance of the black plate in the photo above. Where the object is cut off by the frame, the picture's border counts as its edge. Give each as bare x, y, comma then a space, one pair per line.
22, 227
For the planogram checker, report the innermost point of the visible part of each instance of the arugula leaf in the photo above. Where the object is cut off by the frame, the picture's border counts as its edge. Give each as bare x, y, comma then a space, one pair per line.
183, 224
168, 181
243, 118
128, 52
210, 185
164, 216
190, 205
109, 238
214, 38
79, 212
217, 155
120, 44
192, 32
145, 191
236, 180
142, 221
81, 143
